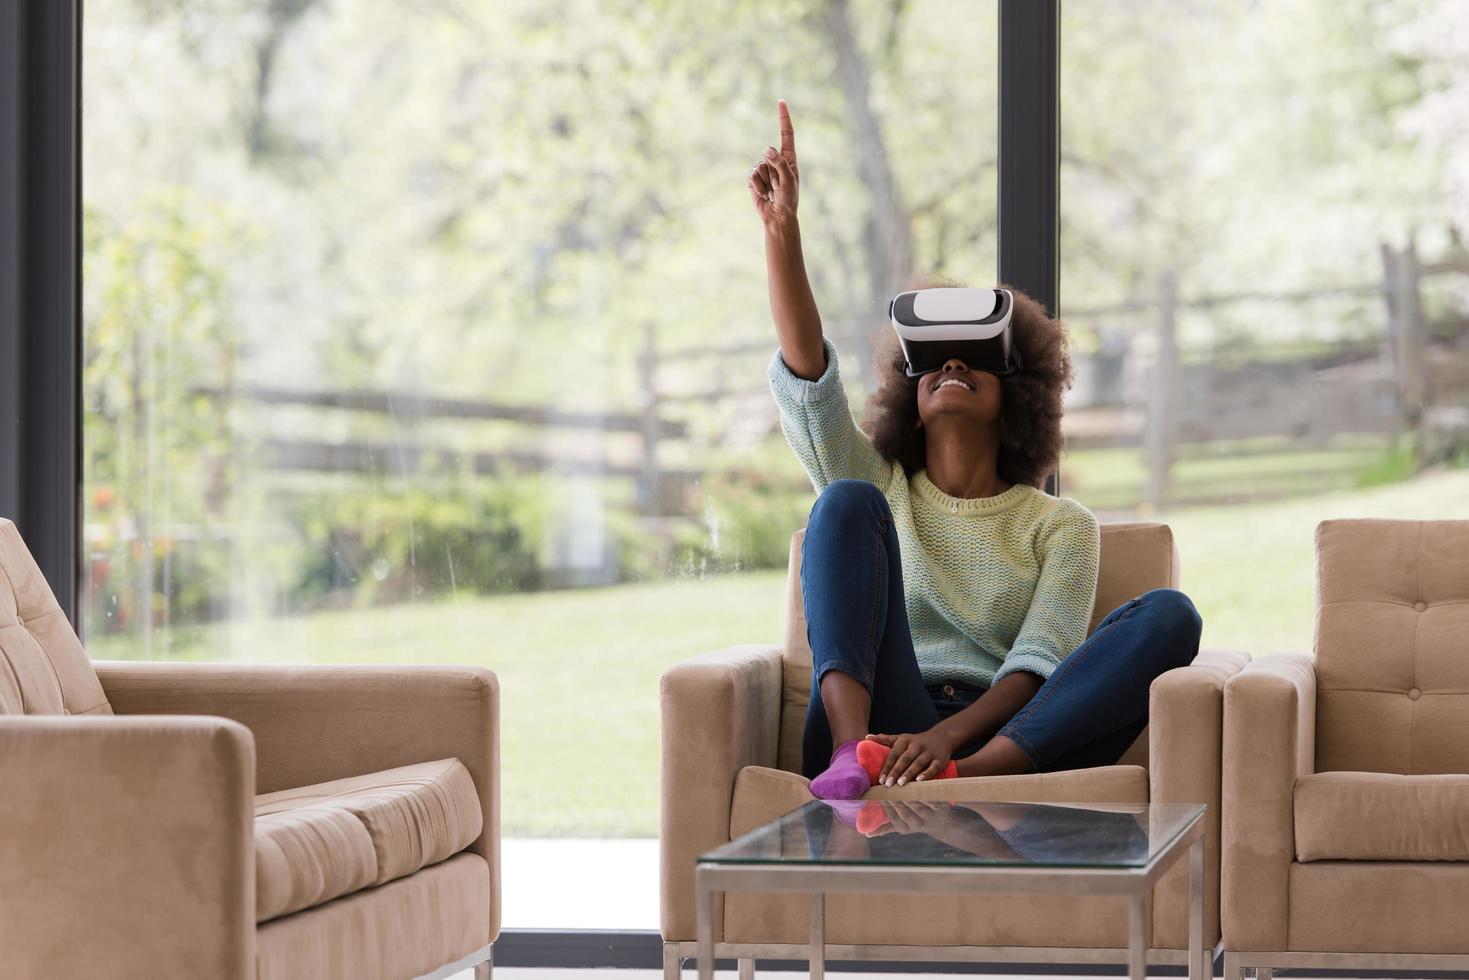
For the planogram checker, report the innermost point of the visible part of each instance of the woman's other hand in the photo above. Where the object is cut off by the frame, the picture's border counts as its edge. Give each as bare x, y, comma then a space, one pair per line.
914, 757
774, 180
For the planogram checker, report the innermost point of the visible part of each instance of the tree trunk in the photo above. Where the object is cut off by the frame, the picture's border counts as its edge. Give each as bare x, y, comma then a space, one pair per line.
887, 232
282, 16
1405, 330
1162, 421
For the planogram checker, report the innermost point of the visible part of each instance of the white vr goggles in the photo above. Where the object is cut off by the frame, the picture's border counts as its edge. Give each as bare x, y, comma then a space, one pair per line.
973, 325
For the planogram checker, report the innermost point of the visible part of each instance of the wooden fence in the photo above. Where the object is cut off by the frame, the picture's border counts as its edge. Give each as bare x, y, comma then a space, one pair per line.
1382, 388
1182, 402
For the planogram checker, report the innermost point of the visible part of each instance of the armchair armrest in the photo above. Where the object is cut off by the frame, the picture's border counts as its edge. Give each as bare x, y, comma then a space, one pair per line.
1185, 732
317, 723
1269, 742
721, 713
126, 847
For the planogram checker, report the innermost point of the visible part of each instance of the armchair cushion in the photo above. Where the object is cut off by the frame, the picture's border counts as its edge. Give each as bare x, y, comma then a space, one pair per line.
1373, 816
43, 668
762, 794
1378, 907
1393, 675
319, 842
1136, 556
405, 928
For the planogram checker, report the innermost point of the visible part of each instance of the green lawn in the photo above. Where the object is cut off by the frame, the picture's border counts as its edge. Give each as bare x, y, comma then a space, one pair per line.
578, 678
579, 669
1251, 569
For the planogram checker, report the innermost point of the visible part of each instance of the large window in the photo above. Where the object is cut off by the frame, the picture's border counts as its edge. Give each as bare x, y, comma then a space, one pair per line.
1263, 270
437, 332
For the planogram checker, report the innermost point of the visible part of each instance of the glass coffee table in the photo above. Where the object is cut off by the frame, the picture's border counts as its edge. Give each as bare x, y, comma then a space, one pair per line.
967, 848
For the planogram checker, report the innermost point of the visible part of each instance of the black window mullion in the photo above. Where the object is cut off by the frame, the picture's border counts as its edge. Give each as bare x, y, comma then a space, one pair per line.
40, 433
1030, 152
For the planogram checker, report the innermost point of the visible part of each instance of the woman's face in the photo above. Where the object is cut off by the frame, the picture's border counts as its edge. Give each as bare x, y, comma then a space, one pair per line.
960, 391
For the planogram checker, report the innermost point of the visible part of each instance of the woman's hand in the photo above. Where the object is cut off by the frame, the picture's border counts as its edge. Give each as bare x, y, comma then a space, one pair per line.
773, 190
774, 180
914, 757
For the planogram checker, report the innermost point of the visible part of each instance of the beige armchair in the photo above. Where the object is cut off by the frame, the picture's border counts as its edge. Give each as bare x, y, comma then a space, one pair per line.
164, 820
1346, 778
732, 724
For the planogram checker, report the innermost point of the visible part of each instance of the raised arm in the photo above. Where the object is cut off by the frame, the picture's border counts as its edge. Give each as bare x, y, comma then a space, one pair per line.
814, 414
774, 186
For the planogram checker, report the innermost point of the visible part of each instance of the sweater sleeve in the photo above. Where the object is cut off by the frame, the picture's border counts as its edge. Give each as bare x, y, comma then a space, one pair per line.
817, 422
1061, 608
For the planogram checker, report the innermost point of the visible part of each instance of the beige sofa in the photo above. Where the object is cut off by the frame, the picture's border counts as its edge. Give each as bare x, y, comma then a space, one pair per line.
163, 820
1346, 778
731, 736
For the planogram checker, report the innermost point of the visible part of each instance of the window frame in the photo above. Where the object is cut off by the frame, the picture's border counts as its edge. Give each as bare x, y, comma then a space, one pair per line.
40, 319
40, 281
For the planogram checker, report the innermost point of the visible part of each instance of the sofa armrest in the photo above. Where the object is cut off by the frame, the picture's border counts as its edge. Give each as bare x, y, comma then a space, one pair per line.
1185, 732
126, 847
317, 723
1269, 743
721, 713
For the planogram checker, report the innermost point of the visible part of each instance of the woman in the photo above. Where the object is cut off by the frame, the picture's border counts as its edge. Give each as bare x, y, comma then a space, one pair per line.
947, 598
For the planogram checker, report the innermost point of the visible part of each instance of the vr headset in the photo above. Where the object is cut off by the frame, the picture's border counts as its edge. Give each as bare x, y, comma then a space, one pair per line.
973, 325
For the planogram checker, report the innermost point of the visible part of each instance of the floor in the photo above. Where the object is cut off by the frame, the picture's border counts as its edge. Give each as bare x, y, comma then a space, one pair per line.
617, 888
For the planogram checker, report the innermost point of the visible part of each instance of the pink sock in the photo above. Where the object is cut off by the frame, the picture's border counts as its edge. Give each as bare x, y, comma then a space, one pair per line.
844, 779
871, 755
867, 816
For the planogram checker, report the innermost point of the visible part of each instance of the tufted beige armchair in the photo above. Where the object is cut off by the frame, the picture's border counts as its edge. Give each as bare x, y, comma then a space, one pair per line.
732, 724
1346, 776
164, 820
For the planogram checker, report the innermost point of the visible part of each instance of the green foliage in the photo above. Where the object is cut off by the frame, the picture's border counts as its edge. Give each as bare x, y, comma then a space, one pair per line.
159, 456
749, 513
1396, 463
406, 544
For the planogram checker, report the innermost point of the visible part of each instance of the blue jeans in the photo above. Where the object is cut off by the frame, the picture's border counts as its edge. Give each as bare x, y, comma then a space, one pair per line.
1087, 713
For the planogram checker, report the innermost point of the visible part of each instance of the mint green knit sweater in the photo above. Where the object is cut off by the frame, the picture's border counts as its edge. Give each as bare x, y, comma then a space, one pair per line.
992, 584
